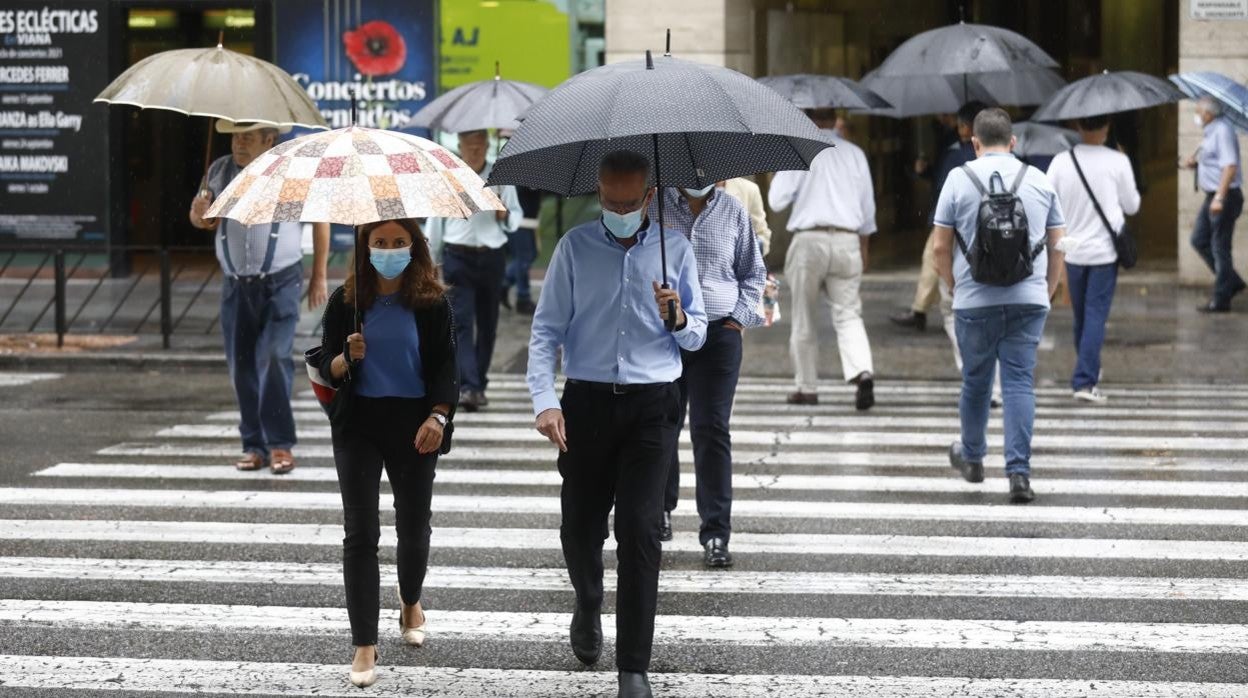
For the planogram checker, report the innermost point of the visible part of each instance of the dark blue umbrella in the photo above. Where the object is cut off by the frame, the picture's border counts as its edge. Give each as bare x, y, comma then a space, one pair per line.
1230, 94
1106, 93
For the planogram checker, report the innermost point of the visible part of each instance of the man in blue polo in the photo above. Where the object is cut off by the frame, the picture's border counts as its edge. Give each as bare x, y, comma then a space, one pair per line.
616, 425
998, 323
1218, 175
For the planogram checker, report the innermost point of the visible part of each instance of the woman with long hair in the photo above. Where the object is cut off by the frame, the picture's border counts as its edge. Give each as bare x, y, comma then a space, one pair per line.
399, 369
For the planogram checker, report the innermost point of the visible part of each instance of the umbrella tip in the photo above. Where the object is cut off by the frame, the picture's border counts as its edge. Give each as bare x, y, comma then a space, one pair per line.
668, 53
497, 74
221, 39
649, 60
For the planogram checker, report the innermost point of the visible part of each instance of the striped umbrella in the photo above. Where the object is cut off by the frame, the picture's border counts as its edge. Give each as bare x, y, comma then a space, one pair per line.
1232, 95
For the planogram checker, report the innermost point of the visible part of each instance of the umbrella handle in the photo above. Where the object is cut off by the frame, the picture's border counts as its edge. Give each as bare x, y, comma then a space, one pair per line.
670, 322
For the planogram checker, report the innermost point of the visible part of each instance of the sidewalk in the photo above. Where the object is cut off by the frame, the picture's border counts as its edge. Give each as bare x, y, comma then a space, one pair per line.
1155, 334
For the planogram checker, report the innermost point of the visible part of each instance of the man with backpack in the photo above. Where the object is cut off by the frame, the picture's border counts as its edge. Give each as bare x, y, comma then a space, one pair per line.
994, 221
1097, 189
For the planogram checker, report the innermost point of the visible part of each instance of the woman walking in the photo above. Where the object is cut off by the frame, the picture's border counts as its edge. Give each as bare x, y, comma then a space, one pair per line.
401, 373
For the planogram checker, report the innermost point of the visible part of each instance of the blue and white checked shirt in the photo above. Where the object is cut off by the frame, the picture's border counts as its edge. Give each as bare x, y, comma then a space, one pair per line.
730, 268
597, 302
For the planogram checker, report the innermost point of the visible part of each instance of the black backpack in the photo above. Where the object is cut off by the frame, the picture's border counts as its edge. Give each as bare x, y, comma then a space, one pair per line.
1002, 254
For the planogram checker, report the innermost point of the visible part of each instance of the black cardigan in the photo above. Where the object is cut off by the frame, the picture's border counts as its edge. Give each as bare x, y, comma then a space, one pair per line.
435, 326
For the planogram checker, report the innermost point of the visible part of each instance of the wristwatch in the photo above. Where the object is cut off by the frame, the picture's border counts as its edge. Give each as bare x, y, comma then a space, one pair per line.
441, 418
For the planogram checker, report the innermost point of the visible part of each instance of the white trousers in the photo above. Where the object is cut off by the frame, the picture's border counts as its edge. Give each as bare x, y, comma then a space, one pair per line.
826, 266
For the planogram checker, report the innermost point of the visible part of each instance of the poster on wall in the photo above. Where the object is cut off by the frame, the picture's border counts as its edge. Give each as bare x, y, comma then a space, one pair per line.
53, 145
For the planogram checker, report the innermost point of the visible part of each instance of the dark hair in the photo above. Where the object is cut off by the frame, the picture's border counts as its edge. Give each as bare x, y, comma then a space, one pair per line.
624, 162
968, 111
993, 128
1094, 123
419, 284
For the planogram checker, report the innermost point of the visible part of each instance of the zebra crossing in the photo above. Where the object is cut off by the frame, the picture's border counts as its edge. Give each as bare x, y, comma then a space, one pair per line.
865, 566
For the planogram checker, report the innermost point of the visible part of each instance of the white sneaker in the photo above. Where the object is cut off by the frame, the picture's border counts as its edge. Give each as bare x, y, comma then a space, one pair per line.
1093, 395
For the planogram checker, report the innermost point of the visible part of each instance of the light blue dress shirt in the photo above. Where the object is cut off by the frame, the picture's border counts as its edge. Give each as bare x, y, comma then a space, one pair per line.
597, 303
481, 230
1218, 150
958, 208
730, 267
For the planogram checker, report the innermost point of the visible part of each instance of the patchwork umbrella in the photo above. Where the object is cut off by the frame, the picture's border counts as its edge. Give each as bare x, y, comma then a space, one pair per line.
488, 104
1232, 95
1107, 93
352, 176
824, 92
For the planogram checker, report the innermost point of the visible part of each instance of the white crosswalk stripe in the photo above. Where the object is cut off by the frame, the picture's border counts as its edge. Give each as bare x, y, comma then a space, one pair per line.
854, 539
9, 379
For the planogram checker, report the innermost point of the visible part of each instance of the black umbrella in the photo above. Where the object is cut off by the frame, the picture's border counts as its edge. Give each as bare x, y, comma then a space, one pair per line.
698, 123
1107, 93
824, 92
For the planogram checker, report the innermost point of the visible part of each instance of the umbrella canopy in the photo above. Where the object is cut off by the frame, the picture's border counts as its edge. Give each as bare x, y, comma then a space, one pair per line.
916, 95
354, 176
963, 49
476, 106
215, 82
824, 92
1106, 93
1232, 95
699, 123
1042, 139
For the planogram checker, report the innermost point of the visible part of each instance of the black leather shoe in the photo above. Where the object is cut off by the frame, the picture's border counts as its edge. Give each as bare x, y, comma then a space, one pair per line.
717, 554
800, 398
482, 400
635, 684
1020, 489
468, 401
864, 399
971, 472
911, 319
505, 300
665, 528
1213, 307
586, 635
524, 306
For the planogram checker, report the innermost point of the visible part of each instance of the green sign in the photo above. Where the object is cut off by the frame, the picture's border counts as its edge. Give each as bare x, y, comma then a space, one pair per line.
530, 39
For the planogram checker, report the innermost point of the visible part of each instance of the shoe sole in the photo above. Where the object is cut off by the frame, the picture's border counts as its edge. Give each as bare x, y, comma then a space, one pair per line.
719, 565
665, 538
865, 399
1022, 497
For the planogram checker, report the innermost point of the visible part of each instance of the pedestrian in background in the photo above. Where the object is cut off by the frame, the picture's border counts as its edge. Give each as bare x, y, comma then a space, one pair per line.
1219, 176
473, 262
1096, 186
732, 277
523, 246
404, 384
998, 321
617, 424
750, 196
262, 266
832, 222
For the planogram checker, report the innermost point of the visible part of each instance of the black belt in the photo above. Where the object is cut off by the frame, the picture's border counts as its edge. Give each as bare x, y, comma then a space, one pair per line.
616, 388
470, 249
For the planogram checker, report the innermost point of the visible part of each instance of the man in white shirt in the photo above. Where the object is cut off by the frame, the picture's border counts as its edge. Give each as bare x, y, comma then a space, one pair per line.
473, 265
1091, 258
832, 222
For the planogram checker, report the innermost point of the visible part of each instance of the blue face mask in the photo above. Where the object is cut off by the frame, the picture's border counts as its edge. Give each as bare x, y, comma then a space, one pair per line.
622, 225
699, 193
390, 263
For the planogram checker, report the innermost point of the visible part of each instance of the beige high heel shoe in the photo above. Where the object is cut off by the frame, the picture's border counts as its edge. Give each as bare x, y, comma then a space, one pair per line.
364, 679
414, 636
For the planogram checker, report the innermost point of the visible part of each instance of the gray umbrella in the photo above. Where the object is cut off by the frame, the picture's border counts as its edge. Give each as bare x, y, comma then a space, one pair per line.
1107, 93
824, 92
698, 123
1039, 140
481, 105
915, 95
965, 49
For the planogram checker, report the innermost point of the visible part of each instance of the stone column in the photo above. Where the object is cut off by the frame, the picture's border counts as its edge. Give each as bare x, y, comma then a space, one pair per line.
720, 32
1217, 45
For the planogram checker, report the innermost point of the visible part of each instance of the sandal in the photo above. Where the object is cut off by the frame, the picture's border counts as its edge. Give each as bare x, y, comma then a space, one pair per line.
282, 462
250, 461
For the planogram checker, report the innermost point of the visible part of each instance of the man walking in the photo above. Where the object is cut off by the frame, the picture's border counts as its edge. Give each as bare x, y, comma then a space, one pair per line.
523, 247
732, 276
263, 282
832, 222
1218, 175
1097, 188
473, 265
617, 424
996, 321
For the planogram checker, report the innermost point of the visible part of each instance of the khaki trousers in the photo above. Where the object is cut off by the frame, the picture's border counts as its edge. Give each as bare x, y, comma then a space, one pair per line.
826, 265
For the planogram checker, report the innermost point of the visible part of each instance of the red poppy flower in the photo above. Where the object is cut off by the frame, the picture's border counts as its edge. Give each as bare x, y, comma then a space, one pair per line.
376, 48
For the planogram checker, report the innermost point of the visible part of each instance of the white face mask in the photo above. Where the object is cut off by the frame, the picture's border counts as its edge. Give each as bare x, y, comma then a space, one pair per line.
1196, 119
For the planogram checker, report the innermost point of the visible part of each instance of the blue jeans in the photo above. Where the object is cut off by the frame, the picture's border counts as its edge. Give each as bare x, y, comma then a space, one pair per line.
476, 281
707, 387
522, 245
1212, 240
1009, 334
258, 319
1091, 294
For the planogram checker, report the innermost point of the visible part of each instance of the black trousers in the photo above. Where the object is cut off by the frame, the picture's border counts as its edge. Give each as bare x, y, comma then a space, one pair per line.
618, 450
381, 433
707, 389
476, 281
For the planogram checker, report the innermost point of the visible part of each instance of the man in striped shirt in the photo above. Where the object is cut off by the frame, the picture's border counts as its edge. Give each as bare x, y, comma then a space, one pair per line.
732, 276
